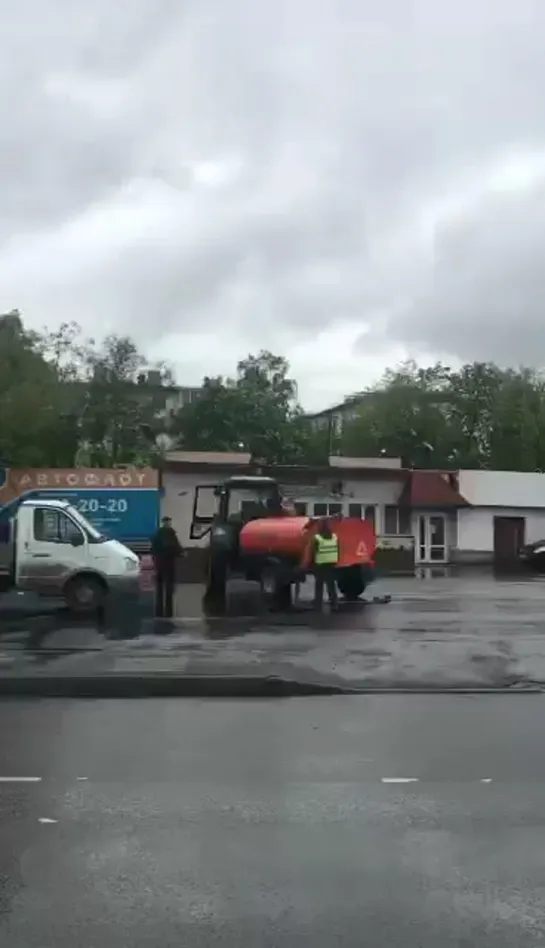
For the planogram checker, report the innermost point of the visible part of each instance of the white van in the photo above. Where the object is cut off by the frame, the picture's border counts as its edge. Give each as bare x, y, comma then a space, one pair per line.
48, 548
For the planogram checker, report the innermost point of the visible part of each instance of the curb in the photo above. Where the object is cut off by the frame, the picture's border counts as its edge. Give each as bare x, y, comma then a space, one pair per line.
18, 616
158, 686
222, 686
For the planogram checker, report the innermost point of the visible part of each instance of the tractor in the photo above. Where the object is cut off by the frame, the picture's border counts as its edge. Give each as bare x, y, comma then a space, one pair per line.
253, 536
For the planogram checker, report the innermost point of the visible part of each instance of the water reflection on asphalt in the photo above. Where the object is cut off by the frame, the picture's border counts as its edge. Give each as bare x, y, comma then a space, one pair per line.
432, 607
239, 623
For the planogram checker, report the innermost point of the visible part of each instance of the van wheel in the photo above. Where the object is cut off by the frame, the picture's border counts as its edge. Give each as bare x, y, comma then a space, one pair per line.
84, 594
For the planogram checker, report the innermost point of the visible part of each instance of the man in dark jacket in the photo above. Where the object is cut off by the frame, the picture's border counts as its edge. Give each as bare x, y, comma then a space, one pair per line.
165, 549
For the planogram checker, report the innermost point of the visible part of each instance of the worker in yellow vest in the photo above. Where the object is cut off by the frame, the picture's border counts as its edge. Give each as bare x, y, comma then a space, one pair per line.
325, 559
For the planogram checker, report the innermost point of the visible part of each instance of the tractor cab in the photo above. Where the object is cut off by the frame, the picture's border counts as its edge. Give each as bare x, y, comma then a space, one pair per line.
234, 502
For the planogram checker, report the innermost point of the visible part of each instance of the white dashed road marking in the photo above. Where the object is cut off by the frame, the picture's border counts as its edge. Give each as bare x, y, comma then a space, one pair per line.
20, 779
399, 779
85, 779
45, 819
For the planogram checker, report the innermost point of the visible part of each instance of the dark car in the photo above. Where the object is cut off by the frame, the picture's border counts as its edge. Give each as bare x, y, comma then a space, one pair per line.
533, 556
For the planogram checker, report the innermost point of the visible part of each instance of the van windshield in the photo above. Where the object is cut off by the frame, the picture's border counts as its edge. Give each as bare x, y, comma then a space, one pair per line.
91, 531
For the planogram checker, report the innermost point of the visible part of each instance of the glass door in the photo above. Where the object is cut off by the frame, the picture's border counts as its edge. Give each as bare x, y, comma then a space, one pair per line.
432, 543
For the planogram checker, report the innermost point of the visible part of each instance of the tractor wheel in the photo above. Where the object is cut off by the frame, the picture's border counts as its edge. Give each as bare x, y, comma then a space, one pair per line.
283, 599
216, 586
351, 582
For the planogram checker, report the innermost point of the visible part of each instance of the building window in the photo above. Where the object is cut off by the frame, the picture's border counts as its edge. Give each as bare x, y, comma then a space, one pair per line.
327, 510
397, 520
366, 512
300, 508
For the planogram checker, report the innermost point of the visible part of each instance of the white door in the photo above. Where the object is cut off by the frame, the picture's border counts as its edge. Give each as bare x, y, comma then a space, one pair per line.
431, 541
49, 549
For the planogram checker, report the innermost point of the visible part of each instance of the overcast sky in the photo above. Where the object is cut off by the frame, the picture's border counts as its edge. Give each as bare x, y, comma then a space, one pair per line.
344, 181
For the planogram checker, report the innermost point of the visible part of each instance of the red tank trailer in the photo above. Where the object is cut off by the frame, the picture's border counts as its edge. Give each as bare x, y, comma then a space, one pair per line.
252, 535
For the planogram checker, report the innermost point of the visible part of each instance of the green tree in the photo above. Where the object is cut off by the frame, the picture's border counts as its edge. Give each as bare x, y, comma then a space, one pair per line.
66, 352
30, 398
404, 417
66, 400
122, 402
473, 395
517, 436
479, 416
257, 411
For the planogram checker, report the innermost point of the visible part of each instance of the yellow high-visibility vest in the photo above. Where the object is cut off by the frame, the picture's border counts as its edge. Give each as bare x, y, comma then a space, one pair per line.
327, 550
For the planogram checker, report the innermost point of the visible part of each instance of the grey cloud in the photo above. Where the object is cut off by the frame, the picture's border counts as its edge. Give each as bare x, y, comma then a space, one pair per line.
344, 124
485, 297
57, 155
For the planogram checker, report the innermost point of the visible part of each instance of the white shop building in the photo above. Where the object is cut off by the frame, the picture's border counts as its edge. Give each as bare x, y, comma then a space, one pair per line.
444, 517
506, 509
410, 509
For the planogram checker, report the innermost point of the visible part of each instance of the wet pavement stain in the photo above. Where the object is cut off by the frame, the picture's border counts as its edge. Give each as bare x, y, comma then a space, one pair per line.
431, 610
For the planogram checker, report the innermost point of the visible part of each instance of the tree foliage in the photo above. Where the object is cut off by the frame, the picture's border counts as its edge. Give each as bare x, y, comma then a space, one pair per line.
120, 418
67, 400
29, 396
256, 411
478, 416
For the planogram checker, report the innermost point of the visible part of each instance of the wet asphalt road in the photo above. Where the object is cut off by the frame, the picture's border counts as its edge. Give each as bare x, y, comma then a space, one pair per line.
274, 823
437, 633
437, 604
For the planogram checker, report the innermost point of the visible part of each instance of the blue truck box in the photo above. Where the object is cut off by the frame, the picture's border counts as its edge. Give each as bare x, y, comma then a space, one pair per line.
130, 516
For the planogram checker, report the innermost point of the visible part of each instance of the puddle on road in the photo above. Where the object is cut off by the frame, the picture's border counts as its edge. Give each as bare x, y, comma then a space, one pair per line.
355, 617
59, 636
443, 614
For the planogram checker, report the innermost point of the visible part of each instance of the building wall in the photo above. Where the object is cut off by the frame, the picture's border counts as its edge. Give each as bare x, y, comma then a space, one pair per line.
452, 529
469, 532
178, 397
179, 494
377, 493
497, 494
476, 529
